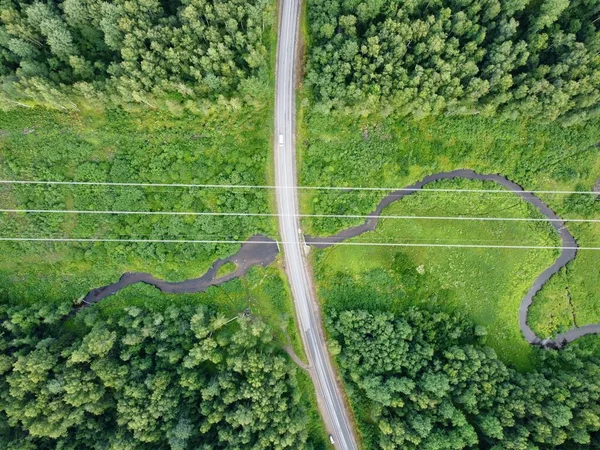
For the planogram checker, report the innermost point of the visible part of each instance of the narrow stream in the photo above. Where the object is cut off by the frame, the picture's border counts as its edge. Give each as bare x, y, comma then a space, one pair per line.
567, 254
258, 250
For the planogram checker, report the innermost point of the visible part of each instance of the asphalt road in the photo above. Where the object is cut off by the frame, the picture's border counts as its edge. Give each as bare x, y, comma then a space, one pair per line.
329, 397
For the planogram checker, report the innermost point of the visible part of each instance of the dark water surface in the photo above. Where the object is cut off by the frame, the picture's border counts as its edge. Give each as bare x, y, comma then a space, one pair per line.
568, 243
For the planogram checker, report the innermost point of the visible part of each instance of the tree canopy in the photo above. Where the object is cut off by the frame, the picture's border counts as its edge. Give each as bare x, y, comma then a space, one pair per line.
131, 49
424, 382
179, 379
517, 58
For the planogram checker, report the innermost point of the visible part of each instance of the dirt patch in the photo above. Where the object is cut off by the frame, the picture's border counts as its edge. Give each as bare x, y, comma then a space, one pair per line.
290, 351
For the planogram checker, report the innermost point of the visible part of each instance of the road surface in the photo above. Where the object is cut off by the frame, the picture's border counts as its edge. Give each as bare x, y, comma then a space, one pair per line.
329, 396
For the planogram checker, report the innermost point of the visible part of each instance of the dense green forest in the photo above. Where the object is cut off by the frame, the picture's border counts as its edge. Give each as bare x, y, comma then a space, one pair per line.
131, 51
182, 377
421, 380
533, 59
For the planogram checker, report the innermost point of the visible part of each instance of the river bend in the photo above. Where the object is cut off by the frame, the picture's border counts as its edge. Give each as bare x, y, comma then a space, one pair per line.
568, 245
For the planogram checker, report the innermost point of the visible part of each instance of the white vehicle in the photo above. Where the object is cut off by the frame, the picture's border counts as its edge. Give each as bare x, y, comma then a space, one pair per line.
280, 139
331, 439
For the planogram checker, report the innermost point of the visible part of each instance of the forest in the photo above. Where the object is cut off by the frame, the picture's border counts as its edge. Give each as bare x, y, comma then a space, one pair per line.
180, 377
506, 59
423, 380
131, 51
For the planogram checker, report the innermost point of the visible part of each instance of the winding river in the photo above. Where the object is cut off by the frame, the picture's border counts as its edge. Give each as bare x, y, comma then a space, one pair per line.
567, 254
261, 250
258, 250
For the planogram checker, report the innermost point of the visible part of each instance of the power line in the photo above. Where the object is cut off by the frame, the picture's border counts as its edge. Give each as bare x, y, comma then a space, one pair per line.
165, 213
228, 237
330, 188
339, 216
381, 244
106, 183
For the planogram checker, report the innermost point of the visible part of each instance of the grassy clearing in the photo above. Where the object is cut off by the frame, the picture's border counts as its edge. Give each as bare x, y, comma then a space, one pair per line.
571, 299
487, 285
339, 150
226, 145
552, 312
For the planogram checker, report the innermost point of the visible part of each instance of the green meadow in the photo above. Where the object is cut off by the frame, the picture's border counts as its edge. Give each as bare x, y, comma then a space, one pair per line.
484, 284
227, 144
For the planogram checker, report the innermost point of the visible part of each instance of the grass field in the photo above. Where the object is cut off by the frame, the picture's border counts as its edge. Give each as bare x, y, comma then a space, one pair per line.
226, 269
224, 146
572, 298
487, 285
